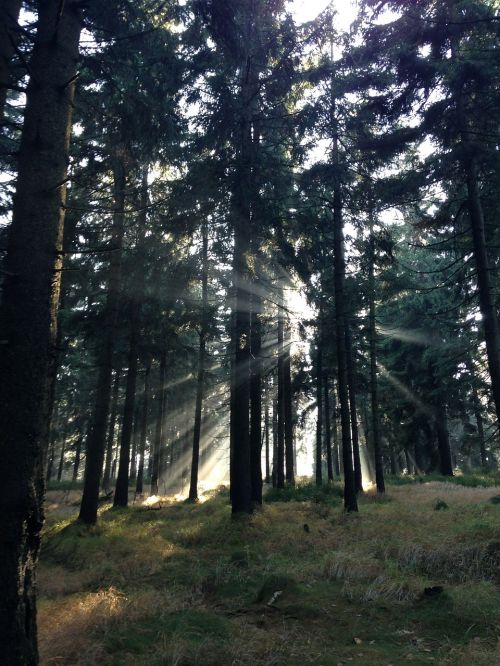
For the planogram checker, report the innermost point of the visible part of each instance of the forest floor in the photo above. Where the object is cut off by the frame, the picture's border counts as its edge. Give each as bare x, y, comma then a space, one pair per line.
413, 578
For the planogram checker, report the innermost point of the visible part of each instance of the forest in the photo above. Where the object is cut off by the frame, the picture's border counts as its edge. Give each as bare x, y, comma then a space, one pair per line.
249, 338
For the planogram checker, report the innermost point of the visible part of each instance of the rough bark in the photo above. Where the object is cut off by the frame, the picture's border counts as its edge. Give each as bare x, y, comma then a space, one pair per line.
443, 440
97, 439
28, 317
358, 477
266, 433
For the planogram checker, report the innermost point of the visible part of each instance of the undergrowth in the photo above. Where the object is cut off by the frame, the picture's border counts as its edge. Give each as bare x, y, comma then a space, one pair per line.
300, 582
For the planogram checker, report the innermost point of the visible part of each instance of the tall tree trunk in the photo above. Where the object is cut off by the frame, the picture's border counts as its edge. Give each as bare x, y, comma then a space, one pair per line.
256, 397
274, 474
288, 412
135, 442
350, 501
9, 36
144, 430
280, 471
121, 489
111, 431
155, 469
489, 316
358, 477
336, 457
375, 431
28, 317
319, 421
97, 440
241, 482
328, 431
200, 384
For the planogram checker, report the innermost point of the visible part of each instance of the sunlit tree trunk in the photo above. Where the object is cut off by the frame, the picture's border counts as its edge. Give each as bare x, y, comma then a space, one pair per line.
280, 471
266, 432
256, 396
97, 440
28, 318
351, 378
111, 431
61, 455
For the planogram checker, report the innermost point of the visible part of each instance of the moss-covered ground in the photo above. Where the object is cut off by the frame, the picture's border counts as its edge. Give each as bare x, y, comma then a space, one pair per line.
413, 578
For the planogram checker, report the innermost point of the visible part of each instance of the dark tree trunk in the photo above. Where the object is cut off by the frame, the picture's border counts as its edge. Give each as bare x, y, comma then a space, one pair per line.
28, 317
256, 397
241, 482
336, 457
275, 444
358, 477
328, 430
350, 501
319, 421
200, 385
288, 413
121, 489
375, 432
111, 431
280, 470
266, 433
144, 430
97, 440
486, 301
160, 399
9, 36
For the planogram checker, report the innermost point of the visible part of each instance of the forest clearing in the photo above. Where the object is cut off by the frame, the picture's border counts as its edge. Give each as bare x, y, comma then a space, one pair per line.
298, 583
249, 332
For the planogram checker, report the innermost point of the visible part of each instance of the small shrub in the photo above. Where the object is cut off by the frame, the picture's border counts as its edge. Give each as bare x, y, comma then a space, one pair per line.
440, 505
306, 492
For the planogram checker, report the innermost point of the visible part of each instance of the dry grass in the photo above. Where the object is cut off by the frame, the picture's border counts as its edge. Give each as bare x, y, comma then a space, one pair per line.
180, 585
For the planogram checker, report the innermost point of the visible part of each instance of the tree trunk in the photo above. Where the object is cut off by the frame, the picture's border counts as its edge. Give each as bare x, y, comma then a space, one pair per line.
9, 36
137, 296
358, 477
445, 462
144, 429
319, 421
200, 385
288, 413
28, 317
155, 469
111, 431
328, 431
266, 427
280, 471
97, 440
274, 474
135, 441
375, 431
336, 457
256, 397
350, 501
480, 427
78, 455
